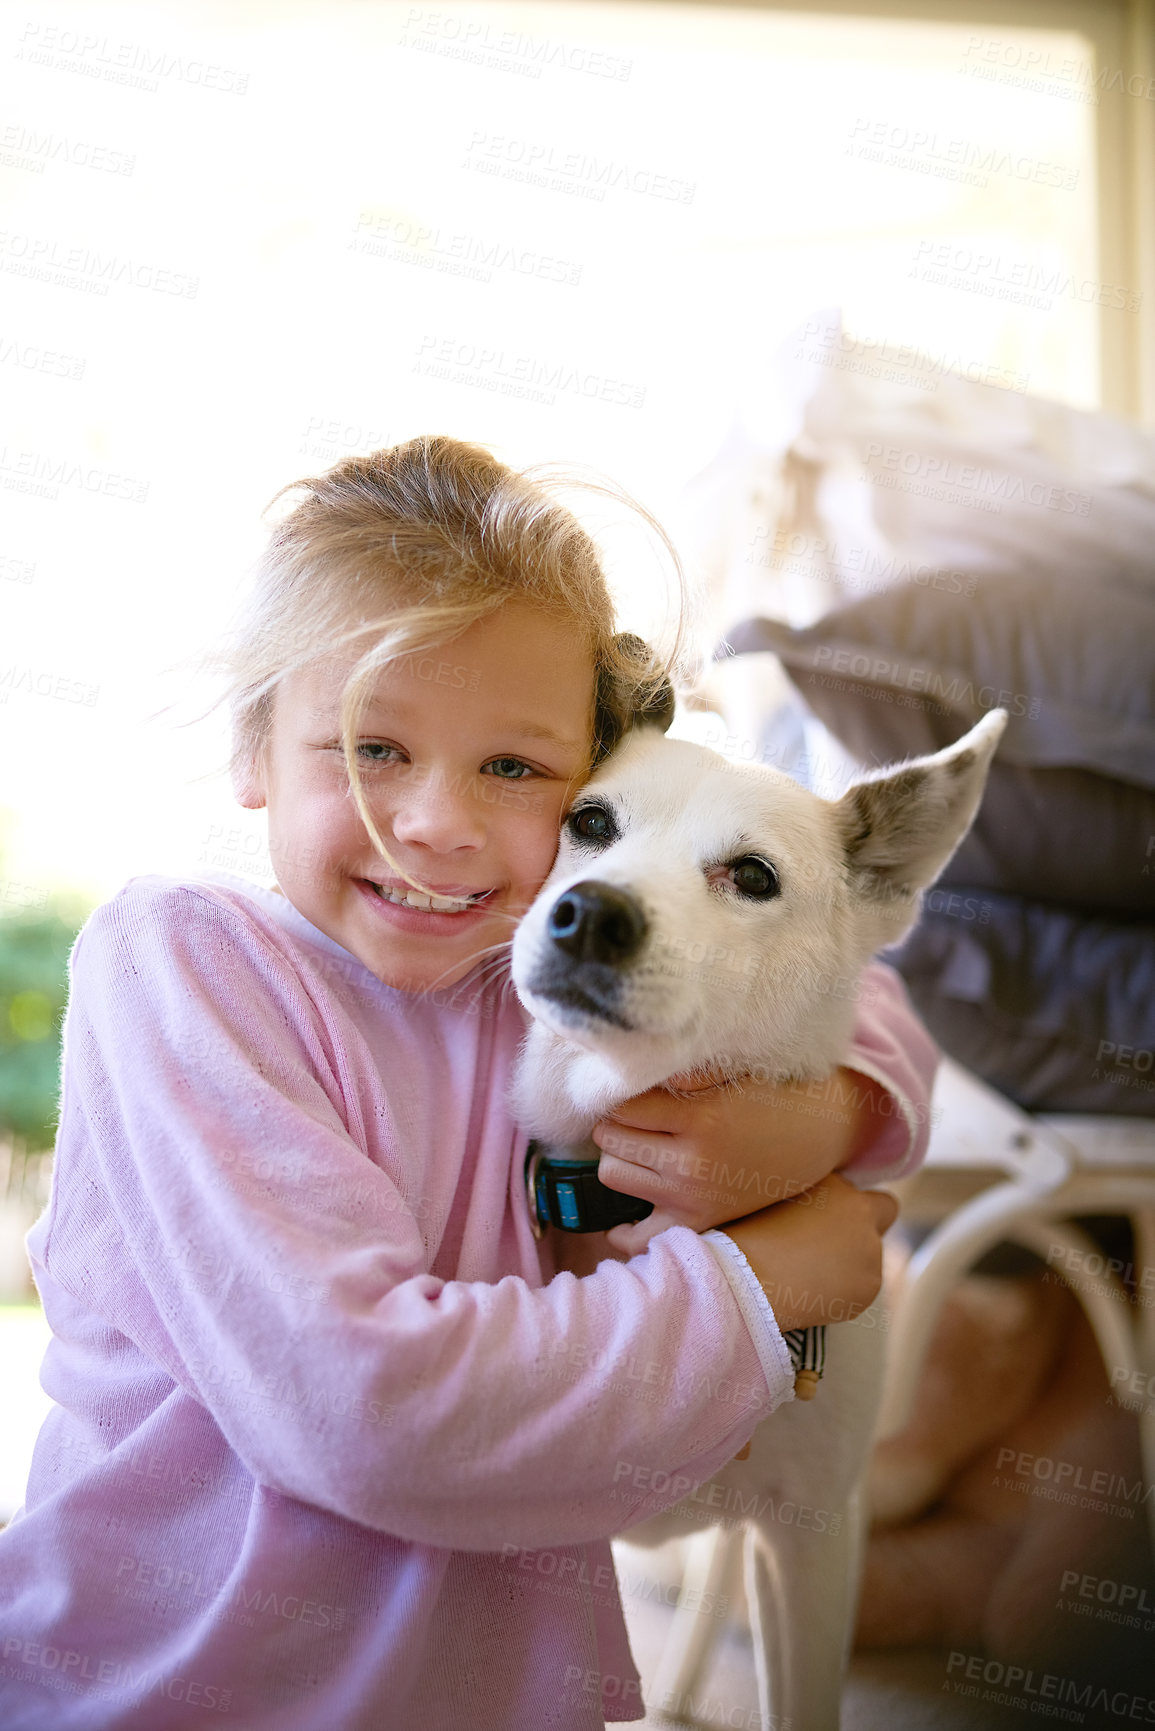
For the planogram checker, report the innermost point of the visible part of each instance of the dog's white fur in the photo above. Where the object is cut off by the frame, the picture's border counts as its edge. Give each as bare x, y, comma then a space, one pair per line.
723, 982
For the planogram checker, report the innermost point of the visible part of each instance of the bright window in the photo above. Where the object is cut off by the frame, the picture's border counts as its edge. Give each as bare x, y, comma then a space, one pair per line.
242, 242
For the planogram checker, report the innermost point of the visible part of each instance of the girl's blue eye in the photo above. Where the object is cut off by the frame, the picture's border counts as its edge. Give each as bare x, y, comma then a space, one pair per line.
376, 751
509, 768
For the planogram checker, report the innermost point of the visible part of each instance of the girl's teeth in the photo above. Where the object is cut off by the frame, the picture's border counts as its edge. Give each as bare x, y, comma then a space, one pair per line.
415, 899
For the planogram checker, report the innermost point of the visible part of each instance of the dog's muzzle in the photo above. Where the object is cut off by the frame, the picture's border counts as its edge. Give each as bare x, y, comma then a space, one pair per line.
591, 932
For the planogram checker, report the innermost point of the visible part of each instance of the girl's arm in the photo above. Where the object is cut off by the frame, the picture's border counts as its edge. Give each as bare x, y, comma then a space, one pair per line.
719, 1154
214, 1201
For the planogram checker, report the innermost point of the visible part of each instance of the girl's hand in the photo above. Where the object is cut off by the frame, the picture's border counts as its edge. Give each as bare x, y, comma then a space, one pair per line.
714, 1153
819, 1258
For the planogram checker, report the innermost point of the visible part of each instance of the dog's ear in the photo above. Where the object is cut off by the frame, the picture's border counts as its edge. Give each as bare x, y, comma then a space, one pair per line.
631, 698
899, 828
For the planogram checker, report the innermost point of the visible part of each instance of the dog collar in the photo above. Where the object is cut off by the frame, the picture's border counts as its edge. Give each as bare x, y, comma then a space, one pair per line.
566, 1192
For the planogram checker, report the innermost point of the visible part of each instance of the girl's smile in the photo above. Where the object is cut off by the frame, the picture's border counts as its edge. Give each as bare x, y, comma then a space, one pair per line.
467, 782
407, 910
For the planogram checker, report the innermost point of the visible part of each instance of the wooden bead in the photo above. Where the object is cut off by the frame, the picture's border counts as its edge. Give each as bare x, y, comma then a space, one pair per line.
806, 1385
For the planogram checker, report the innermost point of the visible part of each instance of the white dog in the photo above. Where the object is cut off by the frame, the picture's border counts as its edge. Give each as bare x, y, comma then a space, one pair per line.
669, 853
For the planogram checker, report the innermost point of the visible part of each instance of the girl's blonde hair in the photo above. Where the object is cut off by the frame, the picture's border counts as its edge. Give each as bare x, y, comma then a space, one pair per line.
408, 547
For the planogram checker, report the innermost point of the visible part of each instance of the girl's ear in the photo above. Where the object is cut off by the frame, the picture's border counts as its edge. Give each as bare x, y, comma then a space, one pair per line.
248, 785
624, 702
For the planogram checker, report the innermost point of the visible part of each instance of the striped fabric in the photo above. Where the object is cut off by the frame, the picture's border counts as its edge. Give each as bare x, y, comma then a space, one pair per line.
807, 1349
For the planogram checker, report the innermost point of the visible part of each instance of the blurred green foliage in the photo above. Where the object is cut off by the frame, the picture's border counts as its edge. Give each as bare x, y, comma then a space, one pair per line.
35, 941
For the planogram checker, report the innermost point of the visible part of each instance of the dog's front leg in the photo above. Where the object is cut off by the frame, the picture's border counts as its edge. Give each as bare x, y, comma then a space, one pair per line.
802, 1598
804, 1541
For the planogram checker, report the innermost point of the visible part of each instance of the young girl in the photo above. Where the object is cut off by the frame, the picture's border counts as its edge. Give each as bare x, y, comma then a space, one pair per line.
336, 1448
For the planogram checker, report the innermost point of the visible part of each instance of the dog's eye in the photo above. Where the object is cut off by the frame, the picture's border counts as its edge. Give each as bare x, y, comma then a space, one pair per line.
591, 823
754, 878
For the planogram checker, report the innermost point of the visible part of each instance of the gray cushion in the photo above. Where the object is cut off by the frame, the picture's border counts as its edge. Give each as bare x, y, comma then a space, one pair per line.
1054, 1009
1069, 813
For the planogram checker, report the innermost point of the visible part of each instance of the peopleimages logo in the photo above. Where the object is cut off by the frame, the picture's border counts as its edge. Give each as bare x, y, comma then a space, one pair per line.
986, 487
1104, 1591
138, 65
30, 358
43, 475
1021, 282
400, 241
474, 39
533, 377
824, 558
38, 683
1028, 67
65, 1668
961, 159
181, 1587
1066, 1482
725, 1504
538, 163
24, 147
878, 669
900, 363
1020, 1685
47, 258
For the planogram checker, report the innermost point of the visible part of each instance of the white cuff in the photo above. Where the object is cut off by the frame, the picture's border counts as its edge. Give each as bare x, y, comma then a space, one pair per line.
759, 1318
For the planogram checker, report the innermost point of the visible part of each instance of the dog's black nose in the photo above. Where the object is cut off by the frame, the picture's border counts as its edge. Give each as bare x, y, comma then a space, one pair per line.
597, 923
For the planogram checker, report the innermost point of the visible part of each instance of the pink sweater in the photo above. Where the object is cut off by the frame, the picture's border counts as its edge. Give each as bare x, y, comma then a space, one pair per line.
332, 1451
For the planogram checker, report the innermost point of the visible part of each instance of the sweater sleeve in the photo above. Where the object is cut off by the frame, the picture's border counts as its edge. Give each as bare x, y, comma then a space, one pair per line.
891, 1045
302, 1315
